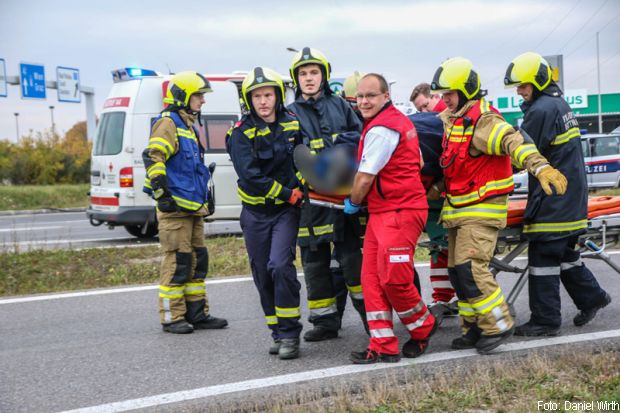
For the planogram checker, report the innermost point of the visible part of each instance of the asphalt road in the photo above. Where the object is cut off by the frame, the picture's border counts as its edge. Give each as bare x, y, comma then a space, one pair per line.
73, 230
60, 353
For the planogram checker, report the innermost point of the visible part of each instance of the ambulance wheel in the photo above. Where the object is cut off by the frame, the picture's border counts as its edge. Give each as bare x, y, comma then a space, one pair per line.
136, 231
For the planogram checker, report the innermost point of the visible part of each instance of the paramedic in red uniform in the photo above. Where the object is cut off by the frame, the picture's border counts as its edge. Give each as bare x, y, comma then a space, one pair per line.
389, 177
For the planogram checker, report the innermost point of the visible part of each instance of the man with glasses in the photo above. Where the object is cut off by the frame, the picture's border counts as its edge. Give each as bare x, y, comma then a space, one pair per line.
389, 178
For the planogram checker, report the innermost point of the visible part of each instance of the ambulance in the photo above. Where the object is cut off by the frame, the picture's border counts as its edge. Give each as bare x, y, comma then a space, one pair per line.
117, 168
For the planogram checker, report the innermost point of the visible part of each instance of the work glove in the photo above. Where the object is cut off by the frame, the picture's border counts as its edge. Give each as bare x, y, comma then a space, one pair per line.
166, 204
433, 193
350, 207
547, 176
296, 197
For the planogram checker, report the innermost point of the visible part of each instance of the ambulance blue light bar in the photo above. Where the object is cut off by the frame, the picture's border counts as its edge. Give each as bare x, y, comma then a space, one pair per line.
128, 73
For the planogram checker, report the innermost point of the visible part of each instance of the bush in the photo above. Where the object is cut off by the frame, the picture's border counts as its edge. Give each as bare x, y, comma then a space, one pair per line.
46, 158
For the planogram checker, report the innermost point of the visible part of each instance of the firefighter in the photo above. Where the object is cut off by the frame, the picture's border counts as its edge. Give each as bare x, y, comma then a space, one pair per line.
553, 223
325, 121
177, 178
478, 148
261, 148
349, 91
389, 176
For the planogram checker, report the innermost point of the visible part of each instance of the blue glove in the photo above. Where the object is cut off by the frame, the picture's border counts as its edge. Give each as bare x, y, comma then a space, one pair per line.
350, 207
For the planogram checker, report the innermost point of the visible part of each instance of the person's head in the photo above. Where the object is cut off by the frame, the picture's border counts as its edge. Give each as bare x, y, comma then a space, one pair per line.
263, 93
530, 73
349, 88
423, 99
186, 91
457, 75
372, 94
310, 71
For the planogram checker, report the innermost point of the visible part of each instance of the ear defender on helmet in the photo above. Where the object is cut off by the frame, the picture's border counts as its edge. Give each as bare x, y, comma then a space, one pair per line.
528, 67
457, 73
260, 77
306, 56
183, 85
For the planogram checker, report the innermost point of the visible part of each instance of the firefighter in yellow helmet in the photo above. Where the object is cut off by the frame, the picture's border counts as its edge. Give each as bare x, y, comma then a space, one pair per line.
553, 223
326, 122
478, 147
261, 147
178, 180
349, 91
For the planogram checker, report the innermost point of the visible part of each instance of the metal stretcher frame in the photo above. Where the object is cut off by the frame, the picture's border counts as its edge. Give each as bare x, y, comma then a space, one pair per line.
603, 232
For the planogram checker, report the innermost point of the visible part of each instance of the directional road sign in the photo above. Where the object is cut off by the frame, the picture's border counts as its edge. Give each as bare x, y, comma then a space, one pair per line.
32, 79
68, 83
2, 78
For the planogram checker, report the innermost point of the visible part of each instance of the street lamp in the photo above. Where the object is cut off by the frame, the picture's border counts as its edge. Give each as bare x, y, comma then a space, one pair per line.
52, 112
17, 125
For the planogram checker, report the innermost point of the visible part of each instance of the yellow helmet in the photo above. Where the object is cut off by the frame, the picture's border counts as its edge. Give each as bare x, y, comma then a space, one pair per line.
528, 67
457, 73
259, 77
308, 56
183, 85
349, 88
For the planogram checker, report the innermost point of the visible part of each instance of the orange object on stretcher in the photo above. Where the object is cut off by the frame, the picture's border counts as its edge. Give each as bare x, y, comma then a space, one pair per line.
597, 206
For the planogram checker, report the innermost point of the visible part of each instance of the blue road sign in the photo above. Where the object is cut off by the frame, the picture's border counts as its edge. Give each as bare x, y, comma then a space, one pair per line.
32, 79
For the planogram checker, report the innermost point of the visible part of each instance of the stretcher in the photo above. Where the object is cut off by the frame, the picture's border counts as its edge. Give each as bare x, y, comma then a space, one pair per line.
603, 232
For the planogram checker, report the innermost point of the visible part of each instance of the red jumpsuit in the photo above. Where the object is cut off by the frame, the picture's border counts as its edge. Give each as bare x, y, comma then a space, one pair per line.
398, 208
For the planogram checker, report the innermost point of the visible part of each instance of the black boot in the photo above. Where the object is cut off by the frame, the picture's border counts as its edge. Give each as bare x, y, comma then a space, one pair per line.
468, 340
487, 343
275, 346
531, 329
370, 357
180, 327
415, 348
319, 334
289, 348
210, 323
585, 316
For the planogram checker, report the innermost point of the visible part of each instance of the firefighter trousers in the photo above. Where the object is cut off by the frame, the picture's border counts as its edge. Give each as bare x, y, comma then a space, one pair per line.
270, 239
182, 290
322, 291
438, 235
481, 301
552, 262
387, 278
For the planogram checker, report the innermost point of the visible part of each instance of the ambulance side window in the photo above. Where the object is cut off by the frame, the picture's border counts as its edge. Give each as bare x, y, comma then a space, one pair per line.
216, 127
109, 139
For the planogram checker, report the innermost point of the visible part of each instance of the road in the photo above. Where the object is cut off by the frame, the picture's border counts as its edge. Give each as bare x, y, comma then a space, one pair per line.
90, 349
73, 230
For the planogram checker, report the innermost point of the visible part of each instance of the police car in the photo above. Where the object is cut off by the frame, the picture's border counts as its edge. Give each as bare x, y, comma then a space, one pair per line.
602, 158
117, 169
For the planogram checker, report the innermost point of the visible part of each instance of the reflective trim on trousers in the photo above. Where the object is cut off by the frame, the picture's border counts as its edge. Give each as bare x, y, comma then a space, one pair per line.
381, 333
288, 312
378, 315
542, 271
324, 310
411, 311
167, 312
441, 284
195, 288
271, 320
568, 265
355, 292
499, 317
439, 271
418, 322
482, 307
171, 292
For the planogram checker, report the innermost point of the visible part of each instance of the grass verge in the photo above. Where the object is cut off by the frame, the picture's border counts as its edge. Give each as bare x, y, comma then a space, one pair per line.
512, 384
43, 196
45, 271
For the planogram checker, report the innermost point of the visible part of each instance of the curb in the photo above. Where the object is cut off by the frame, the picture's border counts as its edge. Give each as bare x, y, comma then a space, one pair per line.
40, 211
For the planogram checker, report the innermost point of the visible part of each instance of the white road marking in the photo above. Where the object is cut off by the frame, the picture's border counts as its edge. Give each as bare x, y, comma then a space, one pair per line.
240, 386
28, 229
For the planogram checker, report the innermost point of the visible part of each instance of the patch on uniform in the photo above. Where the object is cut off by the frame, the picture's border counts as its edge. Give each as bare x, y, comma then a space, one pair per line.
399, 258
412, 134
237, 124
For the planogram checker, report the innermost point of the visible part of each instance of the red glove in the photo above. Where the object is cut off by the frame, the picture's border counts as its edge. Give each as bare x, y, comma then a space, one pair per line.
296, 197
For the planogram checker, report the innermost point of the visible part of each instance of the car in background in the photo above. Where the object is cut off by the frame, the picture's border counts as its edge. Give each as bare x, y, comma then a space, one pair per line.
601, 154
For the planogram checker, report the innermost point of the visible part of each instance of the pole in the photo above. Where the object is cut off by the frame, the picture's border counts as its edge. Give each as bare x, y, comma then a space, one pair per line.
17, 125
598, 80
53, 126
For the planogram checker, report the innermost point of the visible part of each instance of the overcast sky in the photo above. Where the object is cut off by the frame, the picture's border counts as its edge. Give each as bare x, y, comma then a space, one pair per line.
405, 40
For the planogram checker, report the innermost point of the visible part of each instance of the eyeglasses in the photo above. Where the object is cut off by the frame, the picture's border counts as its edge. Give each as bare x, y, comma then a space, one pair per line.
368, 96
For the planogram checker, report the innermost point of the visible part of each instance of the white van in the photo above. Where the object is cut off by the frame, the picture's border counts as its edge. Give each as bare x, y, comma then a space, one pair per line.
117, 169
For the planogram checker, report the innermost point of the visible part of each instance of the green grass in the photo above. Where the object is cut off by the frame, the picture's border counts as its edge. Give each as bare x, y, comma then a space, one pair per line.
44, 271
43, 196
